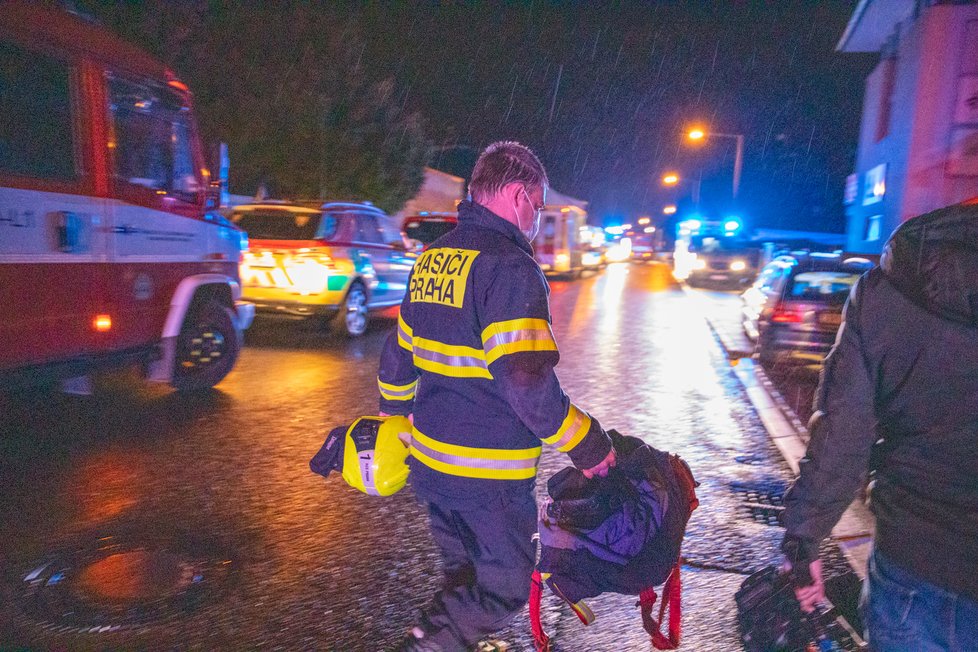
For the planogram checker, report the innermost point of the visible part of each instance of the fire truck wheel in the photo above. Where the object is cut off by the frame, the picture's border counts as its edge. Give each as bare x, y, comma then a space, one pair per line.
352, 318
207, 347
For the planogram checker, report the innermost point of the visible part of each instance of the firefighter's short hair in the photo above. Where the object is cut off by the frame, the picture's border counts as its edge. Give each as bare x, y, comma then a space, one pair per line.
502, 163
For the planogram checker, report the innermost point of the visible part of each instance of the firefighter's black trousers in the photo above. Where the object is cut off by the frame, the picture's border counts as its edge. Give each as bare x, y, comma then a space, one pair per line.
488, 554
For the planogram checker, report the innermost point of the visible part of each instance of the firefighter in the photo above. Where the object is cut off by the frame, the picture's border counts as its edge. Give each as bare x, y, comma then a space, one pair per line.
472, 362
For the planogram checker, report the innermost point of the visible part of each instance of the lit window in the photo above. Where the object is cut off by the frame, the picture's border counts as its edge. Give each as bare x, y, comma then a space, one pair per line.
873, 228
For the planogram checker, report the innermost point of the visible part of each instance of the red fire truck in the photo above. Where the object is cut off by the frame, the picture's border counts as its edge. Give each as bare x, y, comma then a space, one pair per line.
110, 253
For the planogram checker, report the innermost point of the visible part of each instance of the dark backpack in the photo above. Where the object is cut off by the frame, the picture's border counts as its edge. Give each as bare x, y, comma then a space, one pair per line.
619, 534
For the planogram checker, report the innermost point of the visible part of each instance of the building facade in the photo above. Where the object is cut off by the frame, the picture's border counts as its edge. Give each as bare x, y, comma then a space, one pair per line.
440, 192
918, 141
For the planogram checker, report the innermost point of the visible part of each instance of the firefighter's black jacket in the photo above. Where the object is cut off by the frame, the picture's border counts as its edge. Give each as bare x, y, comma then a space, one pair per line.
473, 359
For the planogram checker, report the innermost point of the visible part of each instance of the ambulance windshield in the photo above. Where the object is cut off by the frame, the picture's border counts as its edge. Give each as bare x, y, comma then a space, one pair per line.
279, 224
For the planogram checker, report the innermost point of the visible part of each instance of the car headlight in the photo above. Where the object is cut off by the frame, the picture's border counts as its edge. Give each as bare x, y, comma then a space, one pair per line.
738, 266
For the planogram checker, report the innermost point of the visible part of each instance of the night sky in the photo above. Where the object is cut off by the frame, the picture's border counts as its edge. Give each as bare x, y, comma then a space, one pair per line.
603, 92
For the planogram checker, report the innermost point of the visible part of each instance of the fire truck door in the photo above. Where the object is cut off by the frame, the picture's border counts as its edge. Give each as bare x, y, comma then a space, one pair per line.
157, 234
52, 242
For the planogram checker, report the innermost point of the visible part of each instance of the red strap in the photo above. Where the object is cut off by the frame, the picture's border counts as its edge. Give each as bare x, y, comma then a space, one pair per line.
671, 599
540, 638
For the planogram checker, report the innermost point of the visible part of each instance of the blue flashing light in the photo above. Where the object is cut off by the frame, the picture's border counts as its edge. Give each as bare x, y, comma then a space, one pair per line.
731, 224
693, 225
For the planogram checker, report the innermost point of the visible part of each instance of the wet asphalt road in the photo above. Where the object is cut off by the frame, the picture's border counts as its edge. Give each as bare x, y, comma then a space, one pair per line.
196, 524
796, 383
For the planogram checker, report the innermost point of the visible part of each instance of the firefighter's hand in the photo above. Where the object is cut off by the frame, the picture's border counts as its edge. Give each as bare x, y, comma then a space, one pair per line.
602, 468
405, 437
813, 594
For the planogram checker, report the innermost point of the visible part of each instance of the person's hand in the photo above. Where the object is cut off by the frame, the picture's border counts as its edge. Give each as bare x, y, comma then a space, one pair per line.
813, 594
405, 437
602, 468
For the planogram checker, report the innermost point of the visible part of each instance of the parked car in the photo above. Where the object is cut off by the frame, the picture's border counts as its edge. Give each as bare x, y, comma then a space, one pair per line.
643, 247
333, 261
794, 308
594, 248
428, 226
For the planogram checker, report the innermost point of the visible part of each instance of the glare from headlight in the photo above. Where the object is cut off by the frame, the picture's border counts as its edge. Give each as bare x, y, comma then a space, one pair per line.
699, 263
738, 266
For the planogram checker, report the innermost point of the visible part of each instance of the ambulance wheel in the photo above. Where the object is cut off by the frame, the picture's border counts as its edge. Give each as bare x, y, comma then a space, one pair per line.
207, 347
352, 318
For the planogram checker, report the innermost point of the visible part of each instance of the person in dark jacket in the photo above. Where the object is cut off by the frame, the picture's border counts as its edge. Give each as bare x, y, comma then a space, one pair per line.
472, 361
898, 399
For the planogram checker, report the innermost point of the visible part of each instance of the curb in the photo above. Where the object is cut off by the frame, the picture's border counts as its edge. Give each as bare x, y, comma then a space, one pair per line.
853, 533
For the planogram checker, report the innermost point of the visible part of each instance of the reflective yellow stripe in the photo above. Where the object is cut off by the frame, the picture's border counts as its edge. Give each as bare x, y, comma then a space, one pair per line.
454, 350
473, 462
516, 347
397, 392
450, 370
526, 323
466, 472
471, 451
517, 335
405, 336
450, 359
576, 425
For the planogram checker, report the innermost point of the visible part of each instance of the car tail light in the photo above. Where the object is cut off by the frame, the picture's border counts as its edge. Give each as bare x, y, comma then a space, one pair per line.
785, 315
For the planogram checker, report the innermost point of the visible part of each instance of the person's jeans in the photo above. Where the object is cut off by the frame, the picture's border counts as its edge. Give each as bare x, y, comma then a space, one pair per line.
903, 613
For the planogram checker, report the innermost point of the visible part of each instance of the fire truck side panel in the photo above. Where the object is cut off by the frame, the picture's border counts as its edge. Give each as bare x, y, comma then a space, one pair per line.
51, 235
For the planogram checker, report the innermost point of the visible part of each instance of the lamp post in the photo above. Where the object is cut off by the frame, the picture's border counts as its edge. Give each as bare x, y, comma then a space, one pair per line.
699, 134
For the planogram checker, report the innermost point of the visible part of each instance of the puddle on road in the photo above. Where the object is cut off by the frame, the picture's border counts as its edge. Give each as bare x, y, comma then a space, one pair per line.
115, 583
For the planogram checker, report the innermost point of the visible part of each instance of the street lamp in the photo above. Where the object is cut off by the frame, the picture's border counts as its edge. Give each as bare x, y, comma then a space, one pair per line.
670, 179
699, 134
669, 209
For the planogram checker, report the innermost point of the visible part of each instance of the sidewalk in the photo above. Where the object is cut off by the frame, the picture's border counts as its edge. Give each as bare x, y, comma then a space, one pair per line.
789, 434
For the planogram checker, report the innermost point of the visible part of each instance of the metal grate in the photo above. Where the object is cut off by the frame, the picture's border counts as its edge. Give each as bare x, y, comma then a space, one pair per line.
762, 503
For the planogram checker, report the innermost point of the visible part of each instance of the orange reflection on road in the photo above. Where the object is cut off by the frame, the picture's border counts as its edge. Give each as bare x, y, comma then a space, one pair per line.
657, 278
107, 485
133, 576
